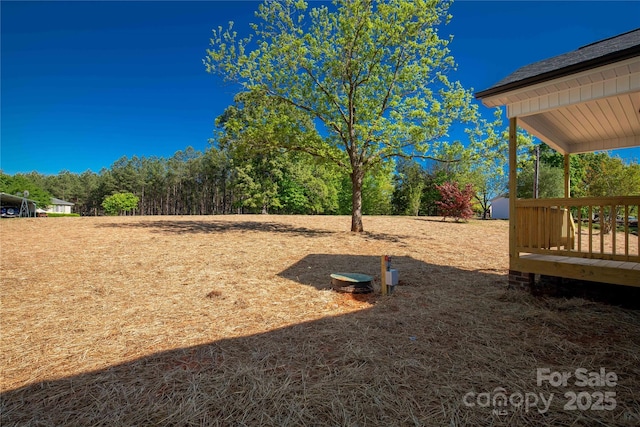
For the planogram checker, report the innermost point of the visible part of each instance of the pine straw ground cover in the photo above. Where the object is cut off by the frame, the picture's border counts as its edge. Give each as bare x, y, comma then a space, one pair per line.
229, 321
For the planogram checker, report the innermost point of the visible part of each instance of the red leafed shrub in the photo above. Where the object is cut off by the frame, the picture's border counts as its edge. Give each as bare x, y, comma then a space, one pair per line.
455, 203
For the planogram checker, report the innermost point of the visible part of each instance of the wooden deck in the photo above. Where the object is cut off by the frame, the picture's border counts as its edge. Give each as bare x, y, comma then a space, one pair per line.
594, 239
597, 270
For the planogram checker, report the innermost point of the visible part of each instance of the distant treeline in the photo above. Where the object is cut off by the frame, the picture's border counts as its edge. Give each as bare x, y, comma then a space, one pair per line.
224, 182
215, 182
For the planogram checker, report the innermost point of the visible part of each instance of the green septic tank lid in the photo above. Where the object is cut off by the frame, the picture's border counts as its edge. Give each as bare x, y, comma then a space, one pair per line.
352, 277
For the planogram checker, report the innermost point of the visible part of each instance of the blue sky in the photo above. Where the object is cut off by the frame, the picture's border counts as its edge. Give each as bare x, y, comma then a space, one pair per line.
85, 83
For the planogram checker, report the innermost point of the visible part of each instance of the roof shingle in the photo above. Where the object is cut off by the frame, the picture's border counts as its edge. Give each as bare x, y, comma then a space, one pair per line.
590, 56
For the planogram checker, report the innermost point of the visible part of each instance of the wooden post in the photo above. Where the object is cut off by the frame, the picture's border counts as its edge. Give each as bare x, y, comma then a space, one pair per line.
383, 274
513, 176
567, 194
567, 176
536, 173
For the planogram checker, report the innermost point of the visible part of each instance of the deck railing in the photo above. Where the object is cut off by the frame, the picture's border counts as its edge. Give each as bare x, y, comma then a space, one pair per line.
595, 227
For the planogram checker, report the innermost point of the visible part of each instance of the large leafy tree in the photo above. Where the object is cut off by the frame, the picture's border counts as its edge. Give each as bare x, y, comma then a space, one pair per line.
309, 186
372, 74
18, 184
550, 182
553, 159
257, 179
410, 180
258, 134
610, 176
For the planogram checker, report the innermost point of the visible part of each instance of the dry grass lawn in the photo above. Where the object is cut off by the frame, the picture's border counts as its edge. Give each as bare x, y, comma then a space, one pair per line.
229, 320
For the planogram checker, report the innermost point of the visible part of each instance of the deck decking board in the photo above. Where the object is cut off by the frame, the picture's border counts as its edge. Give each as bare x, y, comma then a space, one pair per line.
582, 261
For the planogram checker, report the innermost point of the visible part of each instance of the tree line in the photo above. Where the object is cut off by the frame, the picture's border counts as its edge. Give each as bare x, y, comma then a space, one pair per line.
210, 182
223, 181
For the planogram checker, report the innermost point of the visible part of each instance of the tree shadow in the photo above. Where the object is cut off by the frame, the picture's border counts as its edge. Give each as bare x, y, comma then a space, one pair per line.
448, 220
212, 226
408, 359
315, 269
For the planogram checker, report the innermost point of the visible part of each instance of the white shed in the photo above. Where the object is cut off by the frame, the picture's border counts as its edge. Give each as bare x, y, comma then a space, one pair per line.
59, 206
500, 208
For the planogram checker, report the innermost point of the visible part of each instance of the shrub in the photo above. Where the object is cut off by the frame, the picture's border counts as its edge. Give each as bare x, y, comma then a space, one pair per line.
120, 203
455, 203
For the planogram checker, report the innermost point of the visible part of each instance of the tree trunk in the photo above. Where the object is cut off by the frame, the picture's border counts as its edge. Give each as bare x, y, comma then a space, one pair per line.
142, 207
356, 201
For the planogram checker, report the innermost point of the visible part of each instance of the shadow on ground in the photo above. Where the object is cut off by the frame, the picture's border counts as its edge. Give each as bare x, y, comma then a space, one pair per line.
408, 359
315, 270
558, 287
195, 226
212, 226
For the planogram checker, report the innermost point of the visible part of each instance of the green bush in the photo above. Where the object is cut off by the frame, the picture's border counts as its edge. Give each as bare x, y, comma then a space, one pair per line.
58, 215
120, 203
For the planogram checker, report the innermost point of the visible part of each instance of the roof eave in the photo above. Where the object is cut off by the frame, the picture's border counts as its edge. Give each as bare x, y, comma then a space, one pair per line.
611, 58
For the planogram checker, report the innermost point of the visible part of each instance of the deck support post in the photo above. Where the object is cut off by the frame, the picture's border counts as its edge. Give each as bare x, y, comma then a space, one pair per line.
513, 176
517, 278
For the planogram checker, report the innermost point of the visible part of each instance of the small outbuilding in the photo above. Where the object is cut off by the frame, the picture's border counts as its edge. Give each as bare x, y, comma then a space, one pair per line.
500, 207
59, 206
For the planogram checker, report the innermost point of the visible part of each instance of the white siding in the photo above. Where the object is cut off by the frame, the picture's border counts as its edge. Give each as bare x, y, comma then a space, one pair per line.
500, 208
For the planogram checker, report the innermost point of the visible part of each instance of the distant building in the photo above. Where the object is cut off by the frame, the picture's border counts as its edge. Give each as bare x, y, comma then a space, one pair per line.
12, 206
500, 208
59, 206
